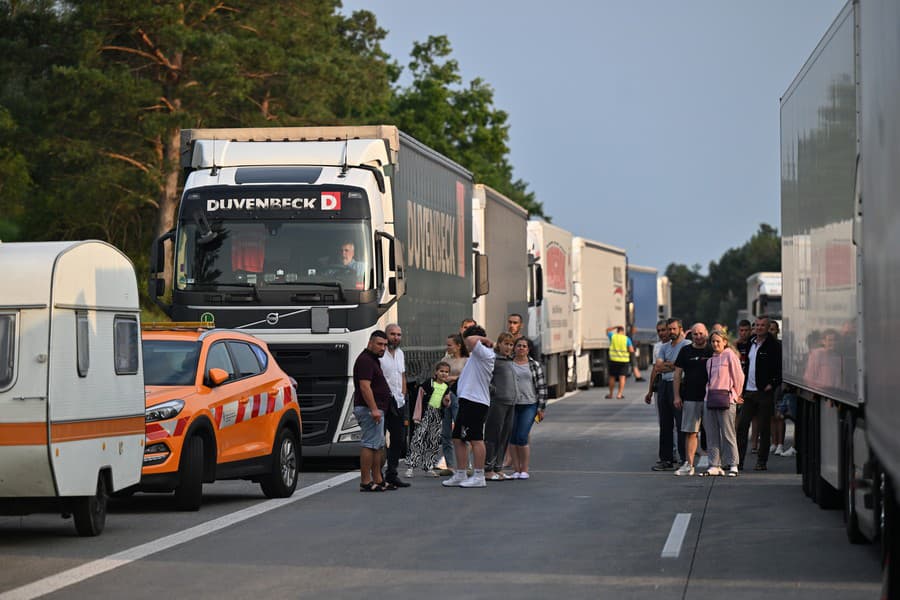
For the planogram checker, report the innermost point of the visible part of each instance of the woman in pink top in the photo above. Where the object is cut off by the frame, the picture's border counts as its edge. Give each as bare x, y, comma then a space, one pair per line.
723, 394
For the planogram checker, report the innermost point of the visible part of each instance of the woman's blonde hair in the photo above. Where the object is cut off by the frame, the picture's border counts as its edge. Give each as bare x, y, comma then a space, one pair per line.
728, 343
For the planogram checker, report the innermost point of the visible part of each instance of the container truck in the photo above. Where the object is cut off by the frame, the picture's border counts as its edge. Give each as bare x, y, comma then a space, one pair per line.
311, 238
550, 318
643, 311
840, 147
598, 289
499, 228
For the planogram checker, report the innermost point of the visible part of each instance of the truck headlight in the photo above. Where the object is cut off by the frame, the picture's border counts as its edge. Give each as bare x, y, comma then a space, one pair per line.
164, 411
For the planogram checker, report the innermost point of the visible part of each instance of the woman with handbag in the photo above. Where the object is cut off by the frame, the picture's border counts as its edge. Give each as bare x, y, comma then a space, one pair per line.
723, 394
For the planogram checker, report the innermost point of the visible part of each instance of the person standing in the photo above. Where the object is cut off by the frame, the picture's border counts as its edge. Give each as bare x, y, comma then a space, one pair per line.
662, 332
433, 396
723, 394
531, 401
763, 376
371, 396
669, 416
393, 363
456, 357
620, 351
474, 400
689, 387
498, 425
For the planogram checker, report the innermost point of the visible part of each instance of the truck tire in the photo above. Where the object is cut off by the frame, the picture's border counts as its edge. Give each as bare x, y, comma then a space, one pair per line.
281, 481
189, 493
851, 518
89, 512
890, 565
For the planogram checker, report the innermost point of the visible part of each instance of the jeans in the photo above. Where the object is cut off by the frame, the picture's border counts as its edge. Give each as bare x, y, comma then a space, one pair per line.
522, 423
669, 421
761, 404
449, 416
372, 432
394, 424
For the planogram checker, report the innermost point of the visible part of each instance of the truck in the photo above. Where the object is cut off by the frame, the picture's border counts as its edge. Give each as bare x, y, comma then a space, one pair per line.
311, 238
840, 147
598, 290
499, 228
643, 311
550, 305
71, 379
764, 295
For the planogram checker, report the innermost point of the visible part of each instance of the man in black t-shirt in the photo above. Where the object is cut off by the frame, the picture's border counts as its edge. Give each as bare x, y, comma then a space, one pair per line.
370, 400
743, 344
690, 391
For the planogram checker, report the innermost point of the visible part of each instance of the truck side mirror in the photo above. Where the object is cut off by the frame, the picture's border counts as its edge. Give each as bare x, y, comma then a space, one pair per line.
158, 252
482, 283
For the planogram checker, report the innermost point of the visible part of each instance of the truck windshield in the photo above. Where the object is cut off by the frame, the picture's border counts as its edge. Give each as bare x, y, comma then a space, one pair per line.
258, 253
170, 362
7, 349
772, 307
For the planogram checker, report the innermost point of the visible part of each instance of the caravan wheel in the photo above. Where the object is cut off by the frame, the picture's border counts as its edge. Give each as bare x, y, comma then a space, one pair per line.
89, 512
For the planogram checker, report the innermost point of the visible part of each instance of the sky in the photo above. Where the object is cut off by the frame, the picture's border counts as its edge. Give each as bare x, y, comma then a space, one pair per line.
651, 125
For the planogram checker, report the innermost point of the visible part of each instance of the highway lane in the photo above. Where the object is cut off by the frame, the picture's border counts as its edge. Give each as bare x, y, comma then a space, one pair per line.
593, 521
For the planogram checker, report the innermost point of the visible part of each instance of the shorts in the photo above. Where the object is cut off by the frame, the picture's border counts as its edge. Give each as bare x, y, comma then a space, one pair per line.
619, 369
469, 425
691, 416
372, 432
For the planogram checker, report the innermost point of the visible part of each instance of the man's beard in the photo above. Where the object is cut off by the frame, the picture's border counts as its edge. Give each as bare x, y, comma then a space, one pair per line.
393, 347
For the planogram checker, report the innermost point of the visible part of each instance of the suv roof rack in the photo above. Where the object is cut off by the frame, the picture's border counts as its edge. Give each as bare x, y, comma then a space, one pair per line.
177, 325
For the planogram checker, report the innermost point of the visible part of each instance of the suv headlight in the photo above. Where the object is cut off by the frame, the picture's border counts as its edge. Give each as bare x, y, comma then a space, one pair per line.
164, 411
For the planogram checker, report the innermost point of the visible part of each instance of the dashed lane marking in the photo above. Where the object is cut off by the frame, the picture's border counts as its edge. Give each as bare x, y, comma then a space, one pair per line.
672, 549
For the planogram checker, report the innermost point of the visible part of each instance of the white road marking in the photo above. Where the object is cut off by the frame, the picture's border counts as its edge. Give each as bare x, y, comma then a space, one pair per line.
564, 396
676, 536
78, 574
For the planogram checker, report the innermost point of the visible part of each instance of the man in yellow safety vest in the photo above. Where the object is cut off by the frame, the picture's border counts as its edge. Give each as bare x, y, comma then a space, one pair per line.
620, 350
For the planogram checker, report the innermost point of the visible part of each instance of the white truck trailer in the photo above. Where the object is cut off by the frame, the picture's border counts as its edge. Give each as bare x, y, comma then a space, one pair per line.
550, 307
71, 381
764, 295
664, 297
313, 237
840, 147
499, 228
598, 289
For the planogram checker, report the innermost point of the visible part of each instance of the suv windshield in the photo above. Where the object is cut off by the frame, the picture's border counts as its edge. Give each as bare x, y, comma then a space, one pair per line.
254, 253
170, 362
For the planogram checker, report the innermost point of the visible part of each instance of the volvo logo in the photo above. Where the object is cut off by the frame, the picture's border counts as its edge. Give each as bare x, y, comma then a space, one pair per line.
272, 318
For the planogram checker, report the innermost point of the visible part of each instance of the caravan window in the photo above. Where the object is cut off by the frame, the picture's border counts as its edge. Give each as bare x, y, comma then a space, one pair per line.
7, 349
82, 343
126, 345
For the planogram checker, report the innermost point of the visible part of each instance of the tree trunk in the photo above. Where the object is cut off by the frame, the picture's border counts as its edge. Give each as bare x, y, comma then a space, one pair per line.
168, 202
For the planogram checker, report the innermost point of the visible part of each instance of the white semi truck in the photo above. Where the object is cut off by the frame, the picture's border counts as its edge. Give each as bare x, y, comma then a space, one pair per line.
313, 237
598, 289
840, 147
550, 305
764, 295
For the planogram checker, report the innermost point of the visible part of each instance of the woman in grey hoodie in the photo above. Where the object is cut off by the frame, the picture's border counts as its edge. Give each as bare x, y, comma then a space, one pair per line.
499, 421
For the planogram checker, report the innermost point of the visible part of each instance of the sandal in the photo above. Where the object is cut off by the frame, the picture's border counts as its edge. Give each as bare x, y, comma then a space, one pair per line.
370, 487
386, 486
620, 397
496, 477
608, 396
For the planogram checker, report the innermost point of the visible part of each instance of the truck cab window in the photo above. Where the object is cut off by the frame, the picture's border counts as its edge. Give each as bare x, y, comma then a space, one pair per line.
7, 349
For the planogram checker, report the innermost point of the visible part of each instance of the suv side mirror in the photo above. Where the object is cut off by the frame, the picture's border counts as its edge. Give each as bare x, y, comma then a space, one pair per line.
217, 376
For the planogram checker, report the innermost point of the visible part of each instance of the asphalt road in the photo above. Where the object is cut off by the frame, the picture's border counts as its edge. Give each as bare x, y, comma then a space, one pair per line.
592, 522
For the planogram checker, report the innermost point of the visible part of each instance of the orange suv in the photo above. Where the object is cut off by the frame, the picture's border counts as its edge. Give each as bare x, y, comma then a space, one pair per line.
218, 407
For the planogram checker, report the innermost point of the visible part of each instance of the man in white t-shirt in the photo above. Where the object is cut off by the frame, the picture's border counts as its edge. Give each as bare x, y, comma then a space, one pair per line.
393, 364
473, 389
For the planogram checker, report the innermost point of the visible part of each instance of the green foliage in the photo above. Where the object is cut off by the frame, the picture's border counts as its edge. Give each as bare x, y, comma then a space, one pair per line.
716, 297
459, 121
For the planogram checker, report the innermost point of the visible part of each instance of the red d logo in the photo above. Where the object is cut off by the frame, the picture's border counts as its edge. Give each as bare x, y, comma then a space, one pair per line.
331, 201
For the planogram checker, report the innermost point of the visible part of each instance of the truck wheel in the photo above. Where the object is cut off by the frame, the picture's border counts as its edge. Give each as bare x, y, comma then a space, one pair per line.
89, 512
890, 566
189, 493
281, 481
854, 535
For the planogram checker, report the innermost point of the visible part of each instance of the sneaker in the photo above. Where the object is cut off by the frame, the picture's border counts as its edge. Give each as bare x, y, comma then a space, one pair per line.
771, 448
455, 480
409, 473
399, 482
662, 465
685, 469
789, 452
515, 475
779, 450
474, 481
714, 472
524, 475
733, 471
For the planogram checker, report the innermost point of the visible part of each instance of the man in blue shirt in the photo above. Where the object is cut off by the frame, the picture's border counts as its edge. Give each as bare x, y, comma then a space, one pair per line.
669, 416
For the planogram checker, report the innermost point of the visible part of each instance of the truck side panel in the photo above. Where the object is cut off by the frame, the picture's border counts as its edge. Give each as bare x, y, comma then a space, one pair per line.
601, 275
507, 249
432, 212
818, 154
880, 66
642, 289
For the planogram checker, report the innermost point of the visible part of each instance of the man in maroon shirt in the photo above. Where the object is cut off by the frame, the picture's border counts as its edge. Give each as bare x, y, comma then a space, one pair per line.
370, 399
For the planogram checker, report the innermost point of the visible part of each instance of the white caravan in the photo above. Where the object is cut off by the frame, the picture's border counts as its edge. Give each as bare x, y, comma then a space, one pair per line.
71, 382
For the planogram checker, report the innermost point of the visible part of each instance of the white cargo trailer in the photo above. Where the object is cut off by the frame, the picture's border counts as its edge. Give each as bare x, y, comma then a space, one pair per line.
71, 382
499, 232
599, 303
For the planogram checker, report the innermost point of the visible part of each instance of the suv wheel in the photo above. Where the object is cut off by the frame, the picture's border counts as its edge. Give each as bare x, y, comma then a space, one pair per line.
281, 481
